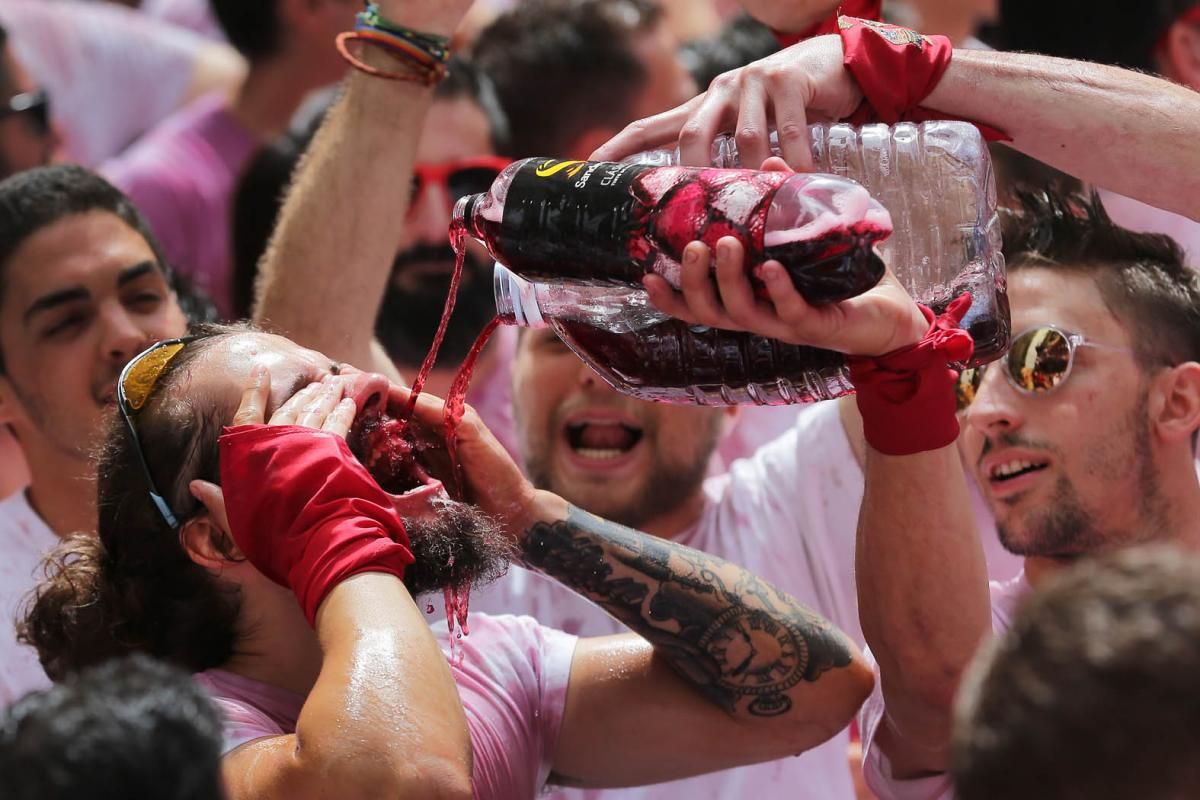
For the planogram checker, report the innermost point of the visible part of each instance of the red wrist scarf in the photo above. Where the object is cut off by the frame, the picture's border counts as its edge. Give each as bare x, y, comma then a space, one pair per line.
305, 513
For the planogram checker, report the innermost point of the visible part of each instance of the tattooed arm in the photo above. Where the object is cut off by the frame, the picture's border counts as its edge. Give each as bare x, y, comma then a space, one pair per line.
773, 678
722, 669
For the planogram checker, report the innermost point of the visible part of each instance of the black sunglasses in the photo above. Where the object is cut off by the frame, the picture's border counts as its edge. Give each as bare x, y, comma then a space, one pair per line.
134, 388
34, 105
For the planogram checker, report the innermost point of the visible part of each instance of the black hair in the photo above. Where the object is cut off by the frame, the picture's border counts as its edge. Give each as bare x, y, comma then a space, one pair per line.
251, 26
36, 198
1091, 695
562, 67
128, 728
1142, 276
741, 41
1115, 33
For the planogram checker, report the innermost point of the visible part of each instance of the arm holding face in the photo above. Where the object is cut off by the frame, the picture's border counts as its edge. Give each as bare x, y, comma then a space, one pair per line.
344, 556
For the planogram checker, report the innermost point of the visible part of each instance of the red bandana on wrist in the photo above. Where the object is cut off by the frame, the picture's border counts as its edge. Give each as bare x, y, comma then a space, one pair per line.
906, 397
897, 68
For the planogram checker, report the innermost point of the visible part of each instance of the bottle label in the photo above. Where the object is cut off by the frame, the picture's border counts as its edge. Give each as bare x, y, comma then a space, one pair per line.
574, 219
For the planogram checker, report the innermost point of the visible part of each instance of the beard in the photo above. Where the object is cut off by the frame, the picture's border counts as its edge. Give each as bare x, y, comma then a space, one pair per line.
1067, 527
671, 480
409, 317
457, 547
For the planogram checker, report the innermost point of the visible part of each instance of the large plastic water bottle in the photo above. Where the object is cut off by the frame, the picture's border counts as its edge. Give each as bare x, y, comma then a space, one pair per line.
643, 353
610, 222
936, 181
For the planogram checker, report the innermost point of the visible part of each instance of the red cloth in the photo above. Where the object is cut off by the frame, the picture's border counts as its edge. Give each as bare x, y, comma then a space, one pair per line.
896, 68
906, 397
305, 513
863, 9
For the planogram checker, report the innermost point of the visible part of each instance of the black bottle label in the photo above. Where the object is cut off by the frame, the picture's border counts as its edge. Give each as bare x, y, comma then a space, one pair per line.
575, 219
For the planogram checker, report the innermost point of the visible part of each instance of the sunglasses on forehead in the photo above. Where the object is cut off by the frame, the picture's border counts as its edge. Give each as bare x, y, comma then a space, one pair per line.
134, 388
1037, 362
35, 106
460, 178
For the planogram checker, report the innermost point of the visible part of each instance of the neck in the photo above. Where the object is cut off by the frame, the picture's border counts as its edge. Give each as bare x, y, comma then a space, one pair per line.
276, 645
62, 491
271, 93
671, 524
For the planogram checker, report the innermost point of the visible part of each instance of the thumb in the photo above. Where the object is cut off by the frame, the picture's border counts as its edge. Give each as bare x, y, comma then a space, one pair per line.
213, 499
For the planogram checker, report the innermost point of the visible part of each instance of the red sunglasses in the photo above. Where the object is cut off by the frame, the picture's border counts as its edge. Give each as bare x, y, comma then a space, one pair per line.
460, 177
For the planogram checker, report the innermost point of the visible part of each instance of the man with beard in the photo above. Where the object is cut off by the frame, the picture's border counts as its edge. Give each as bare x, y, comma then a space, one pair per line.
726, 670
456, 156
83, 288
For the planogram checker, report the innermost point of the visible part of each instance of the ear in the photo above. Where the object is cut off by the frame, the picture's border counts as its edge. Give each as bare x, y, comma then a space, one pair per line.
1175, 411
1181, 61
206, 538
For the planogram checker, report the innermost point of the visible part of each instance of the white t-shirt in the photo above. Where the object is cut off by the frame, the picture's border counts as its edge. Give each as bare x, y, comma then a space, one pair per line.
1006, 597
24, 540
512, 677
789, 515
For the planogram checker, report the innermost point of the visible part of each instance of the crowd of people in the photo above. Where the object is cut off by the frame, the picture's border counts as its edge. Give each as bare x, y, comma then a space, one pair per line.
224, 253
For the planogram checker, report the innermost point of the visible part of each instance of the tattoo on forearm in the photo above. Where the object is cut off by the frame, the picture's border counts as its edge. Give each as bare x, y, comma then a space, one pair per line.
731, 634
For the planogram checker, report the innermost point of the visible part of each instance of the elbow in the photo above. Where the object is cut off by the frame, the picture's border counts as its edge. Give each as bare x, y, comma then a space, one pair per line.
848, 688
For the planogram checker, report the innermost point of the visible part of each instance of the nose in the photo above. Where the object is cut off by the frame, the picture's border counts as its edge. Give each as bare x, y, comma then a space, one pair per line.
997, 407
429, 220
122, 337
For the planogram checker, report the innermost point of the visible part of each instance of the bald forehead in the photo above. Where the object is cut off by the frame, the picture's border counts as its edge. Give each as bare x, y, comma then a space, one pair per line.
225, 367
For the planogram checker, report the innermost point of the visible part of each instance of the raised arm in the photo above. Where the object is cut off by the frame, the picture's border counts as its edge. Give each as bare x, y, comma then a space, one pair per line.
1128, 132
324, 273
363, 738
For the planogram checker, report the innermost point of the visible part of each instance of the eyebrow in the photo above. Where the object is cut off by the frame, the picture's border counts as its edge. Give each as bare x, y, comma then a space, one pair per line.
63, 296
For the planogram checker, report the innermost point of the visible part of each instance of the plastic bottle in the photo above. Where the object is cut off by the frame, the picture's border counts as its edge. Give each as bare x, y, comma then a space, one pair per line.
611, 222
645, 354
936, 181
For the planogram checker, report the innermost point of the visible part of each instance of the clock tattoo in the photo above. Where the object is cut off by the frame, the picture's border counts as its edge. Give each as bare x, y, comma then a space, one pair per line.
758, 654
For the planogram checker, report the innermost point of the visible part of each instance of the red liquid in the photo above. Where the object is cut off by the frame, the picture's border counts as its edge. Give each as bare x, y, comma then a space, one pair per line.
827, 269
456, 402
457, 240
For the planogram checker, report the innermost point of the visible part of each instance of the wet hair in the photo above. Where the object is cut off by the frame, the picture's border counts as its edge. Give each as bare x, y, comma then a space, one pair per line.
133, 588
741, 41
1119, 34
1092, 692
1142, 276
36, 198
562, 67
128, 728
253, 27
263, 185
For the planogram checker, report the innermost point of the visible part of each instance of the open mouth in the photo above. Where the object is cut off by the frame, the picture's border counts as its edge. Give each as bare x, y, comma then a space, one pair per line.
1011, 470
404, 458
602, 440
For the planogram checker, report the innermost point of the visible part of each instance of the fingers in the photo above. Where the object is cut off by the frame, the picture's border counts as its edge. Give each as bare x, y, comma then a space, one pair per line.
752, 133
789, 99
252, 408
341, 418
213, 499
645, 134
321, 404
294, 406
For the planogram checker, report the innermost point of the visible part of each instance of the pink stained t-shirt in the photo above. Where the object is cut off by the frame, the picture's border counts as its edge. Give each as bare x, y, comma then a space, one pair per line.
181, 176
1006, 598
24, 541
512, 679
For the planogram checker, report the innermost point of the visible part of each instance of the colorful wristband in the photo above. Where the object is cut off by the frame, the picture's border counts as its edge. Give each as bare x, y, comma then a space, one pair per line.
897, 68
906, 397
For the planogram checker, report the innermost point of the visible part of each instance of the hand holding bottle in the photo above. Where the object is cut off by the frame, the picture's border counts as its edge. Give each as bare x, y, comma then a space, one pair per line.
878, 321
